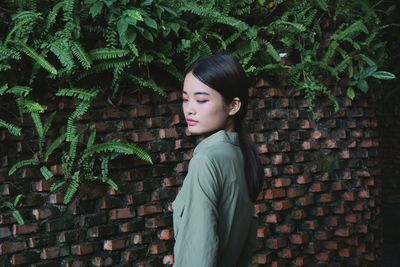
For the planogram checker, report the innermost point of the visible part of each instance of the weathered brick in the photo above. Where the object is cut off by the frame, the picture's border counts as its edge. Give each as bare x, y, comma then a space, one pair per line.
276, 242
299, 238
8, 247
274, 193
85, 248
24, 229
159, 248
149, 209
24, 257
122, 213
115, 244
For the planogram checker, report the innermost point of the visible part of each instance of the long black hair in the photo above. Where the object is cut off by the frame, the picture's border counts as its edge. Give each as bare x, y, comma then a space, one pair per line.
224, 74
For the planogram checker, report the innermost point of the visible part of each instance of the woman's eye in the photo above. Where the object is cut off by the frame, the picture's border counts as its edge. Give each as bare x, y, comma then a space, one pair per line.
202, 101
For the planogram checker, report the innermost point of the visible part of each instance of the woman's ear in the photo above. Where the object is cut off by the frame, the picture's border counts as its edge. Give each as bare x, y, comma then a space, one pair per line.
234, 107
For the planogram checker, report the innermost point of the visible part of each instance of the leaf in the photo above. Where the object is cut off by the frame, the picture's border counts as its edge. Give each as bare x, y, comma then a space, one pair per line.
146, 34
368, 72
151, 23
3, 89
96, 9
362, 85
57, 184
36, 57
350, 93
47, 174
38, 124
56, 143
21, 164
383, 75
272, 52
322, 4
111, 183
17, 199
11, 128
134, 14
18, 217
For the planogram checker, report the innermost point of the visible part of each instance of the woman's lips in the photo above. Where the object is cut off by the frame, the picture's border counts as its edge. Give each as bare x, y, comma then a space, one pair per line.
191, 122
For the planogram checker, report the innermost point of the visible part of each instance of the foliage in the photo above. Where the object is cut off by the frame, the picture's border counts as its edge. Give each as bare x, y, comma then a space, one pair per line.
91, 49
12, 206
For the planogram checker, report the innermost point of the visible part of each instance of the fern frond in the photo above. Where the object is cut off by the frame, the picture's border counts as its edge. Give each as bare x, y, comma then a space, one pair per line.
11, 128
57, 184
147, 83
30, 106
61, 49
104, 166
18, 90
4, 67
111, 183
3, 89
6, 52
68, 8
38, 124
272, 52
81, 55
48, 122
22, 164
103, 66
78, 93
36, 57
117, 147
72, 188
106, 53
51, 17
54, 145
47, 174
213, 15
351, 31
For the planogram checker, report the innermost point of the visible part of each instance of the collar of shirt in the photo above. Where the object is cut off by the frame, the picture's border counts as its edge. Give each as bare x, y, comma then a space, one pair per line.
220, 136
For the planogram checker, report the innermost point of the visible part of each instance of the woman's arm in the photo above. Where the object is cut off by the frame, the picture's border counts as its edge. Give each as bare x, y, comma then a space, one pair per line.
197, 240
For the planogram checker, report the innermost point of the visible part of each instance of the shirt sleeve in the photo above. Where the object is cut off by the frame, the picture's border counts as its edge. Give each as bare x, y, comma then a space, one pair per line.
248, 250
197, 242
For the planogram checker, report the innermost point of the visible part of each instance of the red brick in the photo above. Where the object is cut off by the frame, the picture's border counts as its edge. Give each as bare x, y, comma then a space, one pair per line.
149, 209
139, 112
274, 193
260, 208
320, 211
25, 229
168, 260
292, 169
301, 260
281, 182
159, 248
262, 258
343, 232
285, 228
312, 247
318, 187
54, 252
84, 248
352, 218
288, 252
333, 244
310, 224
7, 247
294, 192
157, 222
263, 232
168, 133
310, 145
24, 257
299, 238
325, 256
305, 200
332, 221
322, 234
345, 252
363, 194
326, 197
122, 213
276, 242
282, 204
142, 137
166, 234
278, 263
273, 218
115, 244
338, 185
298, 214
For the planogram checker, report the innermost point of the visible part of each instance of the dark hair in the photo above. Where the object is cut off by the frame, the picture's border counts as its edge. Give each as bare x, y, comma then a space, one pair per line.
225, 75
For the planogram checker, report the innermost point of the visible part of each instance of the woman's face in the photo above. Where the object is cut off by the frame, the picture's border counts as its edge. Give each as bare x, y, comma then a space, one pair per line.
204, 108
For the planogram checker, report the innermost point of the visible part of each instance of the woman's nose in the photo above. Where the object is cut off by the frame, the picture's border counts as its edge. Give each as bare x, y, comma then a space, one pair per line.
190, 108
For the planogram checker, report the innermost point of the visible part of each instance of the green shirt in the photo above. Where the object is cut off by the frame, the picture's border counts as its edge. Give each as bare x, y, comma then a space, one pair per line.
214, 219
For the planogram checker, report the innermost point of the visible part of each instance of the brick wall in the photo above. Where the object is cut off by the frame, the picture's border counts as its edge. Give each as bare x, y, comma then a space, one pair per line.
319, 204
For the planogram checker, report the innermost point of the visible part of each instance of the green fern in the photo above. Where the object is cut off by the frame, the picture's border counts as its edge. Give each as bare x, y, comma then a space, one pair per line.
51, 17
78, 93
54, 145
147, 84
72, 187
81, 55
56, 185
36, 57
61, 49
116, 147
46, 173
22, 164
11, 128
105, 53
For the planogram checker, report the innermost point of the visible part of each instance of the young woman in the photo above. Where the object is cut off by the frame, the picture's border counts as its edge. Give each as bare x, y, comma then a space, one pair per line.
214, 218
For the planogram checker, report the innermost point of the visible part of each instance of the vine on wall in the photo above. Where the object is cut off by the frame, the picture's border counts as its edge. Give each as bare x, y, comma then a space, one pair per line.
89, 49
